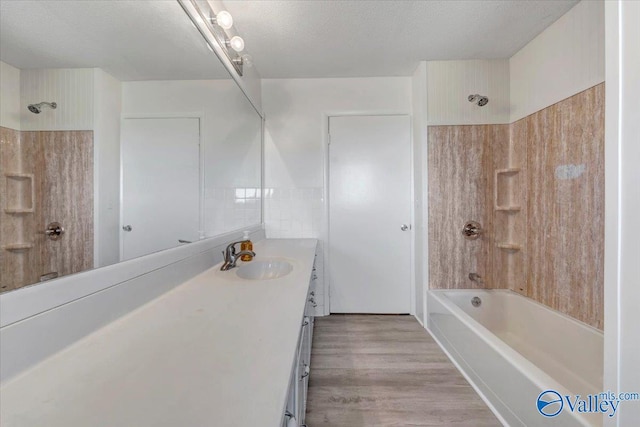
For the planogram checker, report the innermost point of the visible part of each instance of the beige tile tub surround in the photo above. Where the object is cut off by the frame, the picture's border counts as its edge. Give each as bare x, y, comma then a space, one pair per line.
12, 226
461, 163
564, 255
61, 163
553, 245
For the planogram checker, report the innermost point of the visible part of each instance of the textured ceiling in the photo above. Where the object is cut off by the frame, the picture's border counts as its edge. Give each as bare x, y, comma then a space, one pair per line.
132, 40
153, 39
298, 38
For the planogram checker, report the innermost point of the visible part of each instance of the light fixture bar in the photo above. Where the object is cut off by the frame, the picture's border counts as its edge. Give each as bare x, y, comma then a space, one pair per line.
213, 32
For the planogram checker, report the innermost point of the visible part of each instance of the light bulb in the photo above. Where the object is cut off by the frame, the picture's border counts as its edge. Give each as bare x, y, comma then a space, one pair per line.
236, 43
224, 19
247, 60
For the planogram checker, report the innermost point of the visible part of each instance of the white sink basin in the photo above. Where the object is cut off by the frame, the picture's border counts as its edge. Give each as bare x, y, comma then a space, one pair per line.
264, 269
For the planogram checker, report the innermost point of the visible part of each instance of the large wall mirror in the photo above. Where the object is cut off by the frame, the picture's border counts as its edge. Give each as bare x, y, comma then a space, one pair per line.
122, 134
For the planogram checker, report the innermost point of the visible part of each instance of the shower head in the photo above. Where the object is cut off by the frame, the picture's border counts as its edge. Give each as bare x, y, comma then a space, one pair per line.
37, 108
481, 101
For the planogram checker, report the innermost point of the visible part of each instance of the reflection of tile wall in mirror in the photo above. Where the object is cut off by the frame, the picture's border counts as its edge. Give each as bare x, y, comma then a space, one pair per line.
95, 88
294, 212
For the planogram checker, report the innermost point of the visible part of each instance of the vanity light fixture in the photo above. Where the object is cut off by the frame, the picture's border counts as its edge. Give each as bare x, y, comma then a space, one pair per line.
223, 19
217, 25
247, 60
236, 43
243, 61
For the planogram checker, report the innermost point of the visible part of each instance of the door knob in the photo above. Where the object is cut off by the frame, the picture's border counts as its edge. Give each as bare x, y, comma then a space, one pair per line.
127, 228
404, 227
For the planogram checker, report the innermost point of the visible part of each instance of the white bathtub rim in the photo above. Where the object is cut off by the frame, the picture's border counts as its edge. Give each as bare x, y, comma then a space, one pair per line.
533, 373
529, 300
529, 370
498, 344
470, 380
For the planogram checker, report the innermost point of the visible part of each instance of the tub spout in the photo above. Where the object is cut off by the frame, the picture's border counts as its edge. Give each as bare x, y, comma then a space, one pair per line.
475, 277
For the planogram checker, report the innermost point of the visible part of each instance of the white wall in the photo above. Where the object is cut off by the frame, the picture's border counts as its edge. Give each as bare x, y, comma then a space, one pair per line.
231, 136
420, 187
106, 168
295, 145
565, 59
449, 83
295, 130
622, 207
9, 96
71, 89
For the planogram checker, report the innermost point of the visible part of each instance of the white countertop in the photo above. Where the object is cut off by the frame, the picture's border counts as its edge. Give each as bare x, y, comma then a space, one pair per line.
215, 351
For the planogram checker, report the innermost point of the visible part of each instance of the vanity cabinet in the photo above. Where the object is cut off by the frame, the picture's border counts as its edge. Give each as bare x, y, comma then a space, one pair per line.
299, 383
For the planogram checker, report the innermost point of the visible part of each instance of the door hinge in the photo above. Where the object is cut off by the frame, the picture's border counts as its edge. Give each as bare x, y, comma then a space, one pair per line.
329, 139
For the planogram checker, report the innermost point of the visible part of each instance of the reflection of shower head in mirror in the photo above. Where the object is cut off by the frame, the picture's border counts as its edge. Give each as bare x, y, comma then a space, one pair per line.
37, 108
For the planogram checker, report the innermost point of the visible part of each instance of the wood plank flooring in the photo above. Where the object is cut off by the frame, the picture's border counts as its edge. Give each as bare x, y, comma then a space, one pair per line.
381, 370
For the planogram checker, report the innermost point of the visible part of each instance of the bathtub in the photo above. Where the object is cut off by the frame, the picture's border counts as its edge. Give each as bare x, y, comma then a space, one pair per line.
512, 348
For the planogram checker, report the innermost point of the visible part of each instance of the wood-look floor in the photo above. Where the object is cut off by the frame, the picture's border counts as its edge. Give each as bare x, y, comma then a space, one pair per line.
381, 370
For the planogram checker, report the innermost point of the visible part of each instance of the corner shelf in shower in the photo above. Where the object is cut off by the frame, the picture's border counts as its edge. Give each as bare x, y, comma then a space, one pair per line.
509, 246
508, 171
20, 193
508, 208
18, 247
17, 211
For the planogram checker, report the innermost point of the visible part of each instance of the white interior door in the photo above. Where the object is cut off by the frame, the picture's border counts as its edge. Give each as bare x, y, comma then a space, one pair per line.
161, 184
369, 214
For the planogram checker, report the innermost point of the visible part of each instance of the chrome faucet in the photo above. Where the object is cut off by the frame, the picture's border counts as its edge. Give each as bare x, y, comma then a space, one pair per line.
231, 257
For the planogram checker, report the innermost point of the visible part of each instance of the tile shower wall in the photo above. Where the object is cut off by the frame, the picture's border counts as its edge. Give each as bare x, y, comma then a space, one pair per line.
461, 161
555, 107
561, 151
61, 165
556, 228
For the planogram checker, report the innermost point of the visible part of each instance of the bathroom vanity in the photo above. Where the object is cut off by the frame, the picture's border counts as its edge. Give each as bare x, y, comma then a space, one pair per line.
218, 350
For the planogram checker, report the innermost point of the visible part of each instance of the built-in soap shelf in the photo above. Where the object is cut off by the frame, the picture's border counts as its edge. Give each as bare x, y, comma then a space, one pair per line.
18, 247
514, 208
506, 188
513, 247
20, 200
21, 194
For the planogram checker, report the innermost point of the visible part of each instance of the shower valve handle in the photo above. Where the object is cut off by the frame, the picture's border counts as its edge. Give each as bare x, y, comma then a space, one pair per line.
53, 231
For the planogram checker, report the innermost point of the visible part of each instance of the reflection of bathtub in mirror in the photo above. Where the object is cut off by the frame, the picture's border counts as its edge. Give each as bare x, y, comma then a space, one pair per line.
66, 164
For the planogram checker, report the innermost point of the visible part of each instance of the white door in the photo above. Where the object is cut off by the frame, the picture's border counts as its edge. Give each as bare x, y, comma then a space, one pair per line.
160, 184
369, 214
